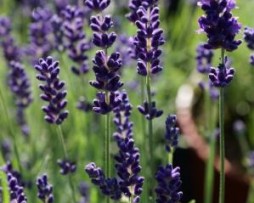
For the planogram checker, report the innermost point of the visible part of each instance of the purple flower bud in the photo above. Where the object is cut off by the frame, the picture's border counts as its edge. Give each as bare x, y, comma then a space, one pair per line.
223, 75
97, 5
66, 166
150, 112
249, 37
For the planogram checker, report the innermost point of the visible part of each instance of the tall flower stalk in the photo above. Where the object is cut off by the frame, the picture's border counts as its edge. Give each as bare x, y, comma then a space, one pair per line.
105, 68
145, 14
54, 94
221, 28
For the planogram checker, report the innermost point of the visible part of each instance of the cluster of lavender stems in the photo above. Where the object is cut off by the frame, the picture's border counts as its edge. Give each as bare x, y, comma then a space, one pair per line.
145, 15
105, 68
221, 28
128, 182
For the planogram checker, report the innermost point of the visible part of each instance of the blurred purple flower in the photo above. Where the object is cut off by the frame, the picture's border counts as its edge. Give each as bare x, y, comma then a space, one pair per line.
150, 111
66, 166
45, 190
77, 45
41, 34
204, 59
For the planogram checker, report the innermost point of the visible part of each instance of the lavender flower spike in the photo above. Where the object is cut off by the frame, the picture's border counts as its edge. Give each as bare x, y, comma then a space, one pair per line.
45, 190
77, 45
16, 190
219, 24
249, 39
172, 132
52, 91
127, 160
223, 75
169, 183
204, 58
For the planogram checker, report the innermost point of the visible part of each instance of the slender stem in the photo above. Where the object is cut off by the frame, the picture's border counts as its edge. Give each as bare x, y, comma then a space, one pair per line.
222, 140
107, 143
11, 131
209, 179
150, 134
61, 138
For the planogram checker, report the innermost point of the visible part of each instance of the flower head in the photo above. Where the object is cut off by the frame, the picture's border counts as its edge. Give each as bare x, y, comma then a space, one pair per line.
219, 24
97, 5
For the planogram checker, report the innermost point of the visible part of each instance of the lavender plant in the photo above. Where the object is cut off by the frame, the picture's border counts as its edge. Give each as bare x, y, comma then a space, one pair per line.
105, 69
221, 28
128, 181
54, 93
145, 14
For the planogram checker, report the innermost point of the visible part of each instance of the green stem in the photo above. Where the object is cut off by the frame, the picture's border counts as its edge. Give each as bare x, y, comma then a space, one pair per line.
222, 140
61, 138
107, 143
11, 131
150, 134
209, 179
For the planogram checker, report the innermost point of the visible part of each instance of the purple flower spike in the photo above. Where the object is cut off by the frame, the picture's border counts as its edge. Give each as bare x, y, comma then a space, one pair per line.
172, 132
108, 186
19, 84
66, 166
249, 37
20, 87
52, 91
204, 59
16, 190
77, 44
97, 5
5, 26
223, 75
127, 160
45, 190
148, 40
102, 106
150, 112
169, 182
41, 32
219, 24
